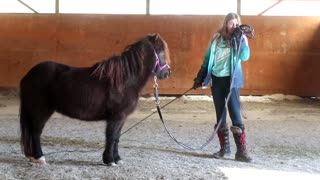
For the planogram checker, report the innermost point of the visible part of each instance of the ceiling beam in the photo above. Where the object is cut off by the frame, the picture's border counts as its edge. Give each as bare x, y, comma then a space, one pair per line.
239, 7
148, 7
26, 5
57, 7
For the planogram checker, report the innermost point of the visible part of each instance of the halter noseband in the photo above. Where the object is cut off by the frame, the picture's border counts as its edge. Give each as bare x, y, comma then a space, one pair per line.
157, 64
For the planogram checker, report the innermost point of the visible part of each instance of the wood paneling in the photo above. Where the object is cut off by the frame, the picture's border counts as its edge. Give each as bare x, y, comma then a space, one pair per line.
285, 56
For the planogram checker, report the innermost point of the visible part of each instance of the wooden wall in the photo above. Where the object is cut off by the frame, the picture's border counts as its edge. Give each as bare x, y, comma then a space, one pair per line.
285, 53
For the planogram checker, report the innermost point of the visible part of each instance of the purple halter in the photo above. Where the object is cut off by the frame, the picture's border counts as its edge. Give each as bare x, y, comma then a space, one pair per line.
158, 63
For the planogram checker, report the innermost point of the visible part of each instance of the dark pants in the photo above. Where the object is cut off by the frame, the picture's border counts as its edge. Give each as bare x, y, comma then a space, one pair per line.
220, 90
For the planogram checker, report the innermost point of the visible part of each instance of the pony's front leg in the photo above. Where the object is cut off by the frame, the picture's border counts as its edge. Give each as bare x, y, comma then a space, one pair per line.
111, 136
116, 156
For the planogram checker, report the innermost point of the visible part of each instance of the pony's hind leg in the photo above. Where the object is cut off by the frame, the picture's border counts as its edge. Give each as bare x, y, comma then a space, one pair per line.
37, 155
38, 124
32, 124
35, 107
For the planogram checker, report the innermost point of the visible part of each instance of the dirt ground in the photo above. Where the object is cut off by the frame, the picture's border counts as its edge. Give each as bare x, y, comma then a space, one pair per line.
282, 136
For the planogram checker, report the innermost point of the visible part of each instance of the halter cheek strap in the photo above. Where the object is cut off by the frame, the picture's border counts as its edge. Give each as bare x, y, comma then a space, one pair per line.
157, 64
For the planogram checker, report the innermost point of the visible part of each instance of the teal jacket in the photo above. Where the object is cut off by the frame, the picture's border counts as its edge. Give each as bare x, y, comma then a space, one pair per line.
235, 64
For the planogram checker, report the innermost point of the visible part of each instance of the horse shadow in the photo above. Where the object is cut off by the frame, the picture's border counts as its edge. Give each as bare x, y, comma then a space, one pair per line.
174, 151
198, 154
74, 162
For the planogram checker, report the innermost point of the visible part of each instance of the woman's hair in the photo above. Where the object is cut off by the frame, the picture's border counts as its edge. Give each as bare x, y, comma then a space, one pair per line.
224, 30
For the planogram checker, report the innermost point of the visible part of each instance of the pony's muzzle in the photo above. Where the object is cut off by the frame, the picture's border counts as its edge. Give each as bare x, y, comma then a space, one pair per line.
163, 72
169, 72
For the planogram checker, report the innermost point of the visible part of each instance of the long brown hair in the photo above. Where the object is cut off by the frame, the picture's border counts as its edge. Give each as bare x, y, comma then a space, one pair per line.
224, 30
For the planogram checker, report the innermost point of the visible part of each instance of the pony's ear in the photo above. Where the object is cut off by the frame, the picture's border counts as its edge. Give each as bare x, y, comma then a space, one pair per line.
154, 37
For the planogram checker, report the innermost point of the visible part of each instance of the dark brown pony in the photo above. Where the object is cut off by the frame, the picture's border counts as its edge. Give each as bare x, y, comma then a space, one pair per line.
109, 91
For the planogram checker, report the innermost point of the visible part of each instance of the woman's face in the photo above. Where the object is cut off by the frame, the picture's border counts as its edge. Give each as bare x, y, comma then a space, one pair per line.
232, 24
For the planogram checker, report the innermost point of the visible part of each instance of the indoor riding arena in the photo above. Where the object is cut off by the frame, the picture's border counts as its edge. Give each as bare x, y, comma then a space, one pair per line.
130, 67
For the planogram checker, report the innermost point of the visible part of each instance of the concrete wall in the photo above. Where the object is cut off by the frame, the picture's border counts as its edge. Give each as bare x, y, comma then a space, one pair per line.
285, 56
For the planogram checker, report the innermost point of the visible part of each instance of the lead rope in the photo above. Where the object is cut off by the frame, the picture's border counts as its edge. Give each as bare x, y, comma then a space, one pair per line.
157, 101
243, 110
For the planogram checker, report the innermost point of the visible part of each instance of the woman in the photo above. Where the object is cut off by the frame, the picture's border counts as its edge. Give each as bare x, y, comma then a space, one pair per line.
222, 65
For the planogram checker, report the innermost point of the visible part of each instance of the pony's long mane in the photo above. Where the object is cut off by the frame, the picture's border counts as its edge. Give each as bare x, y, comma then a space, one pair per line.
122, 68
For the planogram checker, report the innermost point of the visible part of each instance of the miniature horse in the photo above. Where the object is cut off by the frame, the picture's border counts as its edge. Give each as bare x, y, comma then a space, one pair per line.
109, 91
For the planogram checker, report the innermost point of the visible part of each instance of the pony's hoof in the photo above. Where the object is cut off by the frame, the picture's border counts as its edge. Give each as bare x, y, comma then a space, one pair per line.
30, 158
112, 164
41, 160
120, 162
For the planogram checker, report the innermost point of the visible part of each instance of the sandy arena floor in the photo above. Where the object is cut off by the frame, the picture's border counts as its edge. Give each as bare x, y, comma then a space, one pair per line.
282, 136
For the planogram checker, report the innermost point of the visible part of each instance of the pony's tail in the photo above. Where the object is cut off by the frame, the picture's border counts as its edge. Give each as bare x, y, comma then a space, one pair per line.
26, 138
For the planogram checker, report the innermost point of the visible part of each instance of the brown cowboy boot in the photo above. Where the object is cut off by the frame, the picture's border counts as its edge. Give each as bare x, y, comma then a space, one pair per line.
240, 140
223, 134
